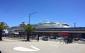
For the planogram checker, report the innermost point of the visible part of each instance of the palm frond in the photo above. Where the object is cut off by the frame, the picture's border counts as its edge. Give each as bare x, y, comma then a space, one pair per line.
29, 28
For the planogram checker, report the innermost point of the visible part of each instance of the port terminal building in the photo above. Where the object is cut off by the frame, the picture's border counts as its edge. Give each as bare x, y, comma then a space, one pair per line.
53, 29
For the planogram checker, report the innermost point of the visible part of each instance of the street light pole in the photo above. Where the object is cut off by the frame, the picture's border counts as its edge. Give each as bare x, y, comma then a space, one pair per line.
30, 14
29, 31
29, 18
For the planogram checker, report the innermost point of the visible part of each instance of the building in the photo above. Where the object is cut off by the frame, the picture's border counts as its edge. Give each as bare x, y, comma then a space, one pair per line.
54, 29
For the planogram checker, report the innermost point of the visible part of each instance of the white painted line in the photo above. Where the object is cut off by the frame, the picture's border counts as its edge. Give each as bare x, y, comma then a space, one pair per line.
35, 48
26, 49
22, 49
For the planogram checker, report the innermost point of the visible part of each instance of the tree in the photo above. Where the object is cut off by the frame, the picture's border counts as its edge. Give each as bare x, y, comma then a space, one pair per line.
29, 29
2, 27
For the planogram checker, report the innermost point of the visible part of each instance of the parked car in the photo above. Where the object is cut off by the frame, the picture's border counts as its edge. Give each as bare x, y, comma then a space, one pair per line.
52, 37
45, 38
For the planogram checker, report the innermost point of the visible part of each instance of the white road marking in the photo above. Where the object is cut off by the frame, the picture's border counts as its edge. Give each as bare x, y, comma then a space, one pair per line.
26, 49
34, 47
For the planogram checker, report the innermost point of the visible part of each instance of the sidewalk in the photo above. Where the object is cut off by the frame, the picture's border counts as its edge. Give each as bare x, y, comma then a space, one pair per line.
10, 45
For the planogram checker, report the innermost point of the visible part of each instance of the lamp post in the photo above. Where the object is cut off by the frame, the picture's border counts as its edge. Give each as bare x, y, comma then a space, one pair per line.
29, 29
30, 14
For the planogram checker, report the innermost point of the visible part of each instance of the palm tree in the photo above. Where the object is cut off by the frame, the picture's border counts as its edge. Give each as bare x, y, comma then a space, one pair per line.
28, 28
2, 27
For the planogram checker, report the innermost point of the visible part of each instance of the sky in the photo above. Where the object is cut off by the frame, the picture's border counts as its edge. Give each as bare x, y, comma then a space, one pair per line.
13, 12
